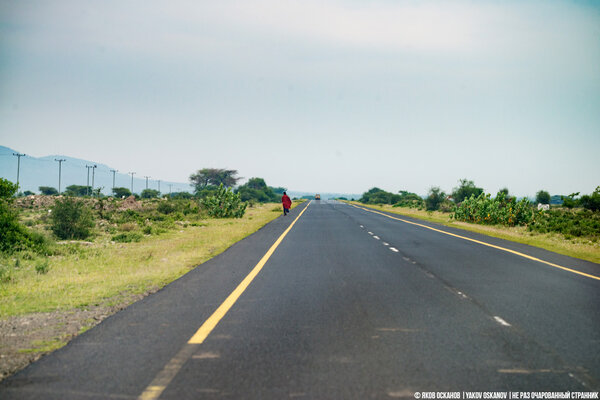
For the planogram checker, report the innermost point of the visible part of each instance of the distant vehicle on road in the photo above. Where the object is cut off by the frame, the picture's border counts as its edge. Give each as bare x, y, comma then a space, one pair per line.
317, 197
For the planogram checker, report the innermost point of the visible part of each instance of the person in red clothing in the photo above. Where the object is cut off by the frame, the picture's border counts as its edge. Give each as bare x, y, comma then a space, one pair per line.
287, 203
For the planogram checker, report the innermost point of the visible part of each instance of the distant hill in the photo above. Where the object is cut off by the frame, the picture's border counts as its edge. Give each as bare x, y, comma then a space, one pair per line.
43, 171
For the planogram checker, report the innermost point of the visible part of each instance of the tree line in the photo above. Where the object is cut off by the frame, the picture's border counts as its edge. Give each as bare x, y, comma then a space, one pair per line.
205, 181
437, 199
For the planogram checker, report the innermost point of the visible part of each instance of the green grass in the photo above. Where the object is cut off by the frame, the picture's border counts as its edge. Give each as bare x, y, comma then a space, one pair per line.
106, 271
578, 248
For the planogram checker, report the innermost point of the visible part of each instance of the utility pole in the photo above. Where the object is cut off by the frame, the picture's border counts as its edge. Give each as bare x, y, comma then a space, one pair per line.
132, 173
170, 186
146, 181
114, 171
18, 155
59, 171
93, 170
87, 187
159, 186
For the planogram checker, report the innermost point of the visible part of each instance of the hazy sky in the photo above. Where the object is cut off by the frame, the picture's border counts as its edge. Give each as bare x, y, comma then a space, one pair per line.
324, 96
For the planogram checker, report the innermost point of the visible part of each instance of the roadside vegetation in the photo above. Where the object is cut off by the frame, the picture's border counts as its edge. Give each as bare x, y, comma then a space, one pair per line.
571, 227
58, 252
68, 261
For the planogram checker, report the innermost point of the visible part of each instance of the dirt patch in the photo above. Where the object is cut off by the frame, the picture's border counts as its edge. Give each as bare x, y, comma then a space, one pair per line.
130, 203
27, 338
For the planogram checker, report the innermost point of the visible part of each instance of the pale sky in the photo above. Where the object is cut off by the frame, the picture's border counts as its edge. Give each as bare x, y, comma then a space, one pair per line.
335, 96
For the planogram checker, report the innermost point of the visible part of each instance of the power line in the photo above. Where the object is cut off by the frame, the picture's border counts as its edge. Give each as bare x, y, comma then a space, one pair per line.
93, 173
132, 173
87, 187
114, 171
59, 171
18, 155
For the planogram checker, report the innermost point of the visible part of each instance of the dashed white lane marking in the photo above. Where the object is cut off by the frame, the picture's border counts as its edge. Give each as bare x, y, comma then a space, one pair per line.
362, 226
376, 237
395, 250
501, 321
406, 258
370, 233
386, 244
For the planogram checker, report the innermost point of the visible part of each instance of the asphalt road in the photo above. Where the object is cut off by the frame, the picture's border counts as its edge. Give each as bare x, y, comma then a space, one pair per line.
351, 304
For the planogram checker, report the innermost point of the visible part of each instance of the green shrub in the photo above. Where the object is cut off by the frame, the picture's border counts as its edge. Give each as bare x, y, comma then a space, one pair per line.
166, 207
42, 267
150, 194
48, 191
127, 237
13, 235
542, 197
5, 273
465, 190
434, 199
121, 192
71, 219
484, 209
591, 202
224, 204
581, 223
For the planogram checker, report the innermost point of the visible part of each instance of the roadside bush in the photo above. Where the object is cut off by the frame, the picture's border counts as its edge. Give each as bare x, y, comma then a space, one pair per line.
224, 204
379, 196
410, 200
434, 198
484, 209
257, 190
465, 190
581, 223
71, 219
127, 237
166, 207
13, 235
591, 202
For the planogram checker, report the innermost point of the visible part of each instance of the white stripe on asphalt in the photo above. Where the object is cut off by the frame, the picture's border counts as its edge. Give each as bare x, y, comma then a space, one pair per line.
376, 237
370, 233
395, 250
386, 244
501, 321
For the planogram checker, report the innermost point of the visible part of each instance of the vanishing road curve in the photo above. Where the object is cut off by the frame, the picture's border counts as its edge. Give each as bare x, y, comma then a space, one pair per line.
336, 301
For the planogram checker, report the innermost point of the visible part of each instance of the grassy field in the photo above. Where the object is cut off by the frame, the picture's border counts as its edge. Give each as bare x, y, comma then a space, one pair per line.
579, 248
103, 271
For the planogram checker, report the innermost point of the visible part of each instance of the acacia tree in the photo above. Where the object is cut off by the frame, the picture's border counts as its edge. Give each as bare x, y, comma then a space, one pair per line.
206, 177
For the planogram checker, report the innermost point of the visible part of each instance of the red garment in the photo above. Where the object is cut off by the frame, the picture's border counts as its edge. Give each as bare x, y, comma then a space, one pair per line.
287, 203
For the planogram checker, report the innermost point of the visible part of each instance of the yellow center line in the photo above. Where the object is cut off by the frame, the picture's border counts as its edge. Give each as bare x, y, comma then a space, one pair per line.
483, 243
166, 375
